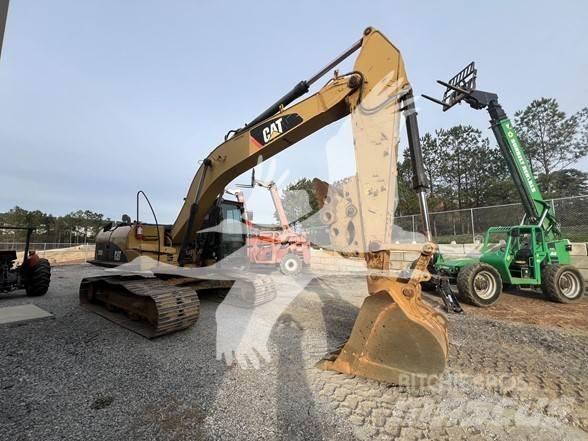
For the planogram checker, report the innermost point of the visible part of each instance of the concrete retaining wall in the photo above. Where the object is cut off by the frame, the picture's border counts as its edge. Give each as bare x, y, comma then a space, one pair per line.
327, 261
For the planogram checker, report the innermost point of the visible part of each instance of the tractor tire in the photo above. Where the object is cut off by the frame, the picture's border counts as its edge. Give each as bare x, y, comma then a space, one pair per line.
479, 285
38, 279
291, 264
562, 283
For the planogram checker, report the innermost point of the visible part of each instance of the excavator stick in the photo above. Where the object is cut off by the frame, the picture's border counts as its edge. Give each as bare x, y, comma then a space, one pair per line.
397, 338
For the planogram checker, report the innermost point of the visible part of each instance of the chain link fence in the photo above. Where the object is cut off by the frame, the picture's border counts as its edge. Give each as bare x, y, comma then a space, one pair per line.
56, 253
41, 246
470, 224
459, 226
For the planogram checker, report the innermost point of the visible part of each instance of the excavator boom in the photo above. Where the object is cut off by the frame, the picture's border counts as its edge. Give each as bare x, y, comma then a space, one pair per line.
379, 67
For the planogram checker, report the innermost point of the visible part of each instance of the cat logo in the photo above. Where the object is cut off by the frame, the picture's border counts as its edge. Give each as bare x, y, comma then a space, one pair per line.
273, 129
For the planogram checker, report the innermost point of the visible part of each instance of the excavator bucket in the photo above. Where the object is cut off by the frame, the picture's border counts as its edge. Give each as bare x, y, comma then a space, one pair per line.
396, 338
392, 345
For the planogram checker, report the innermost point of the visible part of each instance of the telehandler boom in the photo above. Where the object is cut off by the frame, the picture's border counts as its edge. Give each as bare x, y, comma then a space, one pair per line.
397, 337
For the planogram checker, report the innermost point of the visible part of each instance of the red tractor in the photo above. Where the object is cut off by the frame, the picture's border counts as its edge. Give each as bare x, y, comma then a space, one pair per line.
284, 246
34, 274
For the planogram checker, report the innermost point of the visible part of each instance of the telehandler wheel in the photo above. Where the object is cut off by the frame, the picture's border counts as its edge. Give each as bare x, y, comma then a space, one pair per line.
562, 283
291, 264
479, 284
38, 279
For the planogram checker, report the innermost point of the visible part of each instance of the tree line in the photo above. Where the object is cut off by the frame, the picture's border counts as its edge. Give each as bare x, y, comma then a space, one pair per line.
76, 227
465, 169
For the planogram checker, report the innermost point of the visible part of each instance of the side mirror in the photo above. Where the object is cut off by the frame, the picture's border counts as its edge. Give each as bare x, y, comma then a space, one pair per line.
249, 215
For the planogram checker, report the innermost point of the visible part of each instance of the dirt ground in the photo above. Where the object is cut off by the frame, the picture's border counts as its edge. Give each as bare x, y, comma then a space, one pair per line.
515, 371
64, 256
530, 307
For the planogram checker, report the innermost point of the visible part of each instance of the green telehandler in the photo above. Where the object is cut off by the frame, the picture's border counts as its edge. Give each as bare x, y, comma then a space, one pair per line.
531, 254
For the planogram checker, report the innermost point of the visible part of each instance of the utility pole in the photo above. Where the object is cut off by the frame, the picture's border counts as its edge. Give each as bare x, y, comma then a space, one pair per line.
3, 15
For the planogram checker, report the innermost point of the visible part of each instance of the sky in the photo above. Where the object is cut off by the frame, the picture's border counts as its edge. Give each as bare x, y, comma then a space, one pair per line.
99, 99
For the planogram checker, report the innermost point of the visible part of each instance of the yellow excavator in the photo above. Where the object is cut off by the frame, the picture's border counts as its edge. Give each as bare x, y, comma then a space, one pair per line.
397, 338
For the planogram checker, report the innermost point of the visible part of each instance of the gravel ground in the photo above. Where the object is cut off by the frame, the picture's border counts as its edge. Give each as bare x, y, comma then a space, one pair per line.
78, 376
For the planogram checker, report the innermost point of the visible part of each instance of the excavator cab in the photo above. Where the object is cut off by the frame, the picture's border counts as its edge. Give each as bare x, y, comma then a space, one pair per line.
223, 232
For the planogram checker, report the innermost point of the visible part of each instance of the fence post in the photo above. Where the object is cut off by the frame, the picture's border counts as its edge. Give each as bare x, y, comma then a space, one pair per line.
413, 229
473, 226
